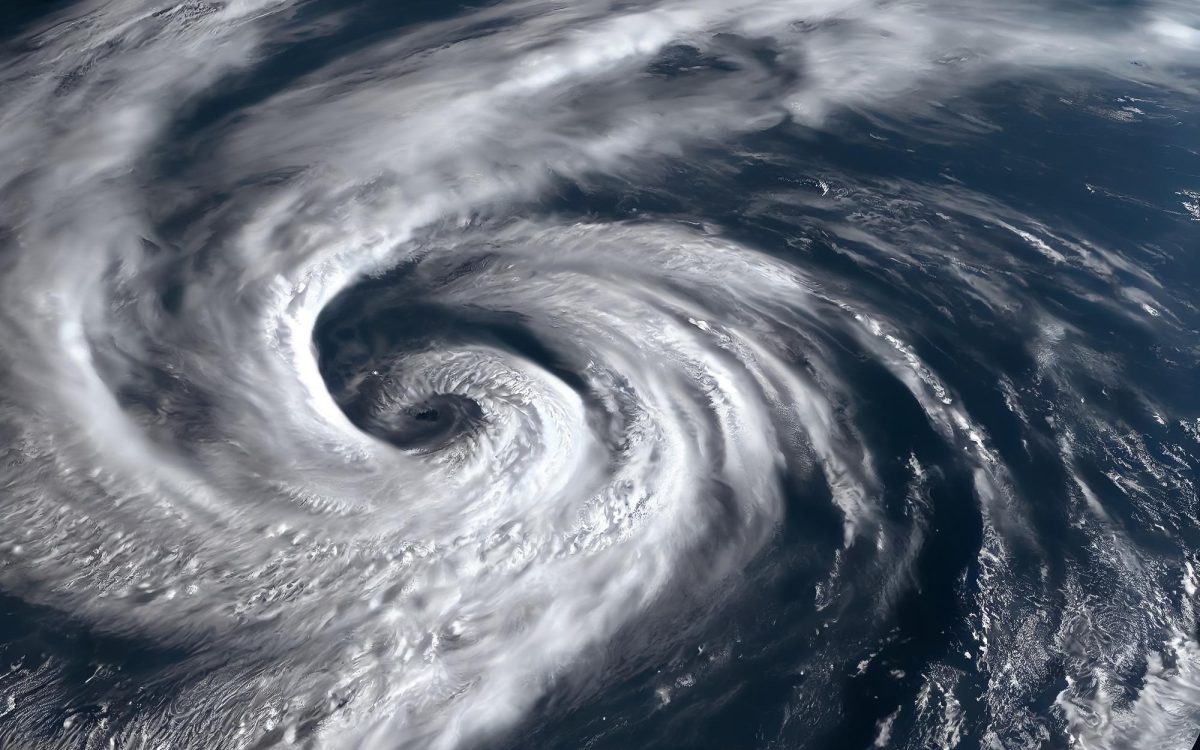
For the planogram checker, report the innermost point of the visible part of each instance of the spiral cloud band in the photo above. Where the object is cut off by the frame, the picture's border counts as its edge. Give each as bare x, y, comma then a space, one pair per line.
322, 411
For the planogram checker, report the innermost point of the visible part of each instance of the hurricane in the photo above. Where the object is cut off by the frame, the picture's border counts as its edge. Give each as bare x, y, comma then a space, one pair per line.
740, 374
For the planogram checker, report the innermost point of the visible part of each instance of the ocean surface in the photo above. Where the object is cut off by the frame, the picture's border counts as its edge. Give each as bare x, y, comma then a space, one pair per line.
722, 374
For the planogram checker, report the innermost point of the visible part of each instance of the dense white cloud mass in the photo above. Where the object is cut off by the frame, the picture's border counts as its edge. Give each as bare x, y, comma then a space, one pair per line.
177, 469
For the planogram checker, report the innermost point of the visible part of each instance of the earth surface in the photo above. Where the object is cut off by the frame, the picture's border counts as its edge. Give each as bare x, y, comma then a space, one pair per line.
717, 374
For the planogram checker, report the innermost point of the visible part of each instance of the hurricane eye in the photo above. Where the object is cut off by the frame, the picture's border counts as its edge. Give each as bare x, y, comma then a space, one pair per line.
432, 424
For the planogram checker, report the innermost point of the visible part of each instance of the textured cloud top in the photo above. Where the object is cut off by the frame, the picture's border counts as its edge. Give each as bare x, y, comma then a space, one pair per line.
329, 420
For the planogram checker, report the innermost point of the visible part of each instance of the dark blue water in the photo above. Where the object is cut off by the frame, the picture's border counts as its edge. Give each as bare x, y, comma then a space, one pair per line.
1041, 158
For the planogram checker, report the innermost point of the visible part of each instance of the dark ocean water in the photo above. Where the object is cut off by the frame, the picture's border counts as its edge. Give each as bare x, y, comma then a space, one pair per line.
754, 375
